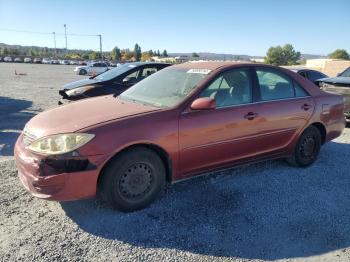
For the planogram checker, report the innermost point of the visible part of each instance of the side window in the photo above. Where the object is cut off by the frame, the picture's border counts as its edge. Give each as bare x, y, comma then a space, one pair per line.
147, 71
134, 75
299, 91
274, 85
231, 88
313, 76
303, 74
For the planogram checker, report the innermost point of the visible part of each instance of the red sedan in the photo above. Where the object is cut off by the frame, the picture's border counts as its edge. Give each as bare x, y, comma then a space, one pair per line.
180, 122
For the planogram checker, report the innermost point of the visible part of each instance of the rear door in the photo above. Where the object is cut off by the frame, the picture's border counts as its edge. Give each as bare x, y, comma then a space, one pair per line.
284, 109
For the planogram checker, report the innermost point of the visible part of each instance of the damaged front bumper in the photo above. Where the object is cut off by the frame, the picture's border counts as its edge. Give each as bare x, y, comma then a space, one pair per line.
58, 178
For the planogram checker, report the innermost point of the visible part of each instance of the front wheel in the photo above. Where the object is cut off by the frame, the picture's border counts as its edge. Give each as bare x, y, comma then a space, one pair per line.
133, 180
307, 148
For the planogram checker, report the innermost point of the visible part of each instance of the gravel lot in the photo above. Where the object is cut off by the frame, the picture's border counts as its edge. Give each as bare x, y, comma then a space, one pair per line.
266, 211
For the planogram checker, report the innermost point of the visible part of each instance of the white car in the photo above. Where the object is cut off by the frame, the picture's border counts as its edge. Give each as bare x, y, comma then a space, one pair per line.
94, 68
46, 61
27, 60
64, 62
8, 59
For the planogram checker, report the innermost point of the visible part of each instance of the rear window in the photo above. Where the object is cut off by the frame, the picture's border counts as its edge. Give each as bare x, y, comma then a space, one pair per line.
274, 85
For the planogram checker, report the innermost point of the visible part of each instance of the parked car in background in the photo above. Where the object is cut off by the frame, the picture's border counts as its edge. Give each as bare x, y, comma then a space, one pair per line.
64, 62
8, 59
1, 59
114, 81
55, 62
18, 60
310, 74
112, 64
46, 61
339, 85
37, 60
27, 60
82, 63
73, 62
93, 68
183, 121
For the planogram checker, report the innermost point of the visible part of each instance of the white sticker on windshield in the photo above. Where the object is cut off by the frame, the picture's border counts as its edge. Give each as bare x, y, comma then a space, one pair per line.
199, 71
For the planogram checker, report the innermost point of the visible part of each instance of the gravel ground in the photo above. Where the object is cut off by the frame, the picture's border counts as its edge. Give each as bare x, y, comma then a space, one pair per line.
266, 211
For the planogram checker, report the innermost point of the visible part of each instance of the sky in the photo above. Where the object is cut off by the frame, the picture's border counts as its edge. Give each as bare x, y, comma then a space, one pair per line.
221, 26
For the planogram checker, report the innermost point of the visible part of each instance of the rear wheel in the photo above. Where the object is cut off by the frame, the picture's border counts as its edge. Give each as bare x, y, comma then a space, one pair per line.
307, 148
133, 180
82, 72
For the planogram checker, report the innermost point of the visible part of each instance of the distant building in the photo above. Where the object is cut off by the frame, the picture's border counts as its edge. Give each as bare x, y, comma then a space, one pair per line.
257, 60
330, 67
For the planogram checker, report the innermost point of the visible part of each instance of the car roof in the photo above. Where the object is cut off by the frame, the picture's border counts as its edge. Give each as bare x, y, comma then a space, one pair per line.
212, 65
145, 63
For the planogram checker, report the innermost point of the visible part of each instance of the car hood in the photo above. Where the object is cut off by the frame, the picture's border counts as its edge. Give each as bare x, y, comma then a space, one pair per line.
82, 114
336, 80
80, 83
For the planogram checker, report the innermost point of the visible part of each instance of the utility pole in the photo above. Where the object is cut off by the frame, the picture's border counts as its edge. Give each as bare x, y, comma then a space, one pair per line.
101, 46
65, 35
54, 40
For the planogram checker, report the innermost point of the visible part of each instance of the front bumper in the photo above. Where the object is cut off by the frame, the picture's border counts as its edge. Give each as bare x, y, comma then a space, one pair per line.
45, 181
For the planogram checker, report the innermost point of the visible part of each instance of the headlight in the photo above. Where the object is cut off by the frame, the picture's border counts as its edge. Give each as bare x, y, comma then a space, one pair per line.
59, 144
79, 90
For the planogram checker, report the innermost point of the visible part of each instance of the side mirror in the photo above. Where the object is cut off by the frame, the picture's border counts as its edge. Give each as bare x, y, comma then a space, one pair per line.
204, 103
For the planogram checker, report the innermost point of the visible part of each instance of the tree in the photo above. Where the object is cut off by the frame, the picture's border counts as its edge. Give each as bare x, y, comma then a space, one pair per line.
145, 56
85, 56
32, 52
92, 55
5, 51
158, 53
116, 54
150, 52
137, 52
126, 54
339, 54
165, 53
285, 55
195, 54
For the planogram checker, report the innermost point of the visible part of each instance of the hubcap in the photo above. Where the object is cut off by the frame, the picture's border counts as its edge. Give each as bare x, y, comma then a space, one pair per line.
136, 181
308, 146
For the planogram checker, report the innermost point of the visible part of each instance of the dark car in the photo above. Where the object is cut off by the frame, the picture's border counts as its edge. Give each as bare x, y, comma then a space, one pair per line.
183, 121
114, 81
339, 85
310, 74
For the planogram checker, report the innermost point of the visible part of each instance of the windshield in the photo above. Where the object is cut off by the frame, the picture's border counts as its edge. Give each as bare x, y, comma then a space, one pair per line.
110, 74
346, 73
166, 88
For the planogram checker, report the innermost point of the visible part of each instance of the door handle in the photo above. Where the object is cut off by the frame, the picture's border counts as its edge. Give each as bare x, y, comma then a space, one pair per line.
251, 115
306, 107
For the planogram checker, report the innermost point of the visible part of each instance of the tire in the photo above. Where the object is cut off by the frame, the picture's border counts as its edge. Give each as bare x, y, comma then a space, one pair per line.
307, 148
133, 180
82, 72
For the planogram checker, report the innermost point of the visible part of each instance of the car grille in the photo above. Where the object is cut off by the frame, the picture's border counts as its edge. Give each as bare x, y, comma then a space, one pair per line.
28, 138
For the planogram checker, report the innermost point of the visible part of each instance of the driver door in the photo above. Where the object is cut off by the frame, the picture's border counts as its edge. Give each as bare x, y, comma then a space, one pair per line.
211, 138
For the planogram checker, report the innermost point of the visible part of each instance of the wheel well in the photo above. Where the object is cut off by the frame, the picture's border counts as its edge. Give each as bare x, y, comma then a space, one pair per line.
158, 150
322, 130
